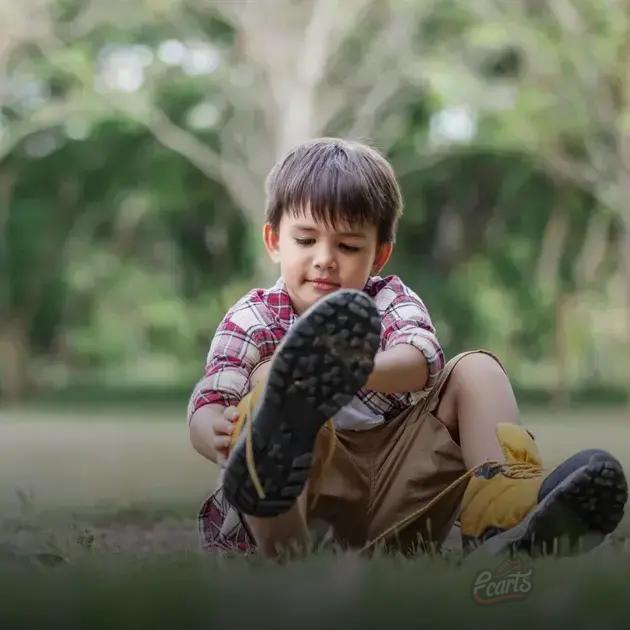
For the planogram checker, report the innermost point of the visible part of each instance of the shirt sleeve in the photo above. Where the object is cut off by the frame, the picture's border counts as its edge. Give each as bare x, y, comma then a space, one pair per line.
232, 357
407, 321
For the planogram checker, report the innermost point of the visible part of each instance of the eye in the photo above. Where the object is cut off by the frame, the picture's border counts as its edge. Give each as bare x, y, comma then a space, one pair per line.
349, 248
304, 242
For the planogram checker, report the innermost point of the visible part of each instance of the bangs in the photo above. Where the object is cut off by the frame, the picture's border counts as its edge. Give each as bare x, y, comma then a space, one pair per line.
337, 184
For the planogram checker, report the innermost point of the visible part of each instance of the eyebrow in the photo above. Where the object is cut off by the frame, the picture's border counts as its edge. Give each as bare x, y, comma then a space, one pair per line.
306, 228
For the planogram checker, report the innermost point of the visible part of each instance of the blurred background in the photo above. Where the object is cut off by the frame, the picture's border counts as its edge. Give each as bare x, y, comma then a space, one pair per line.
134, 142
135, 138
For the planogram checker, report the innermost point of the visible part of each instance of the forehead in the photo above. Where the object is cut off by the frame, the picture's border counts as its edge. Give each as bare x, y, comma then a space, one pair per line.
304, 221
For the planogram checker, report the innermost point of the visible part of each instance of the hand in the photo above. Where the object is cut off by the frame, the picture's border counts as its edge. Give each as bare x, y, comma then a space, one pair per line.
222, 427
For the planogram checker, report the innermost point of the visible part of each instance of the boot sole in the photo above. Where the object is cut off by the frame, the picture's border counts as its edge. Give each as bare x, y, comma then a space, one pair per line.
573, 518
320, 365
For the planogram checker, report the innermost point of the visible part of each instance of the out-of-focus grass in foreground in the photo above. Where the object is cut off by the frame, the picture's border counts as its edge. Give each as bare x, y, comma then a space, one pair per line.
190, 591
116, 497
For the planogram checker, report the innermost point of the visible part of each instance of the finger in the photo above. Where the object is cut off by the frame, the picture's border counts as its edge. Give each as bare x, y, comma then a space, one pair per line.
231, 413
222, 442
223, 427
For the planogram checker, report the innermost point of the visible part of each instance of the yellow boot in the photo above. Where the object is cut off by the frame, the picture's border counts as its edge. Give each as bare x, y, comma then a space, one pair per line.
518, 505
324, 359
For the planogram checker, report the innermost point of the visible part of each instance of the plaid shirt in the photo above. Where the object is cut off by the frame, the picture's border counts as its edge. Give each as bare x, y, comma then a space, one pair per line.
254, 327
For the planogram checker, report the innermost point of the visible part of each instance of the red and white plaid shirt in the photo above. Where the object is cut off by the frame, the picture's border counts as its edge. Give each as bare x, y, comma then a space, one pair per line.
254, 327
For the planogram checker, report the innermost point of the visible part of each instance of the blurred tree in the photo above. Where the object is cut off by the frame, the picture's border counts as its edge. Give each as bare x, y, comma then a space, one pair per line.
134, 140
263, 80
570, 93
227, 86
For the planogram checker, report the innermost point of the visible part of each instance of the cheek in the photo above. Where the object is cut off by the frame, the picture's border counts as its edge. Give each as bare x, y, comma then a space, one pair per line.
293, 265
365, 262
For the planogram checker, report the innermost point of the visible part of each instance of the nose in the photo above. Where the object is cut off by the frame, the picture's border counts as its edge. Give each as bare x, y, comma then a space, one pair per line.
324, 257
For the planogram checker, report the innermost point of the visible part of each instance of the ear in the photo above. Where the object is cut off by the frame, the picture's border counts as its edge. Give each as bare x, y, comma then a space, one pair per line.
270, 239
383, 252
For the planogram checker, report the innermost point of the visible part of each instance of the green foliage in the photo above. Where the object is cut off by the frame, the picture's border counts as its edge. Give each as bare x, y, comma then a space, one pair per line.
121, 250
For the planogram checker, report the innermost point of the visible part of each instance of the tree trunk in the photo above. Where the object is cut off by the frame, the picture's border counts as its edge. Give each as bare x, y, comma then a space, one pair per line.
560, 395
552, 248
625, 273
625, 270
14, 359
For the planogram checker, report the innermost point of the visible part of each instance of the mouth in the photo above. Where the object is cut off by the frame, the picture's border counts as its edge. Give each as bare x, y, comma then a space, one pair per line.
322, 284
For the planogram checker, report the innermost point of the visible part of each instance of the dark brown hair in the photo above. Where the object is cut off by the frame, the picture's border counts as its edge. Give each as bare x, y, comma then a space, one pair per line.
339, 181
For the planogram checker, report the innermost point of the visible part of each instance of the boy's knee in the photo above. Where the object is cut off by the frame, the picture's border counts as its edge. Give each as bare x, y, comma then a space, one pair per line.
476, 368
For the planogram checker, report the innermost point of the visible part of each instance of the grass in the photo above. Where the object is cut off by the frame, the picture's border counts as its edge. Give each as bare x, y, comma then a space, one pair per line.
117, 497
327, 591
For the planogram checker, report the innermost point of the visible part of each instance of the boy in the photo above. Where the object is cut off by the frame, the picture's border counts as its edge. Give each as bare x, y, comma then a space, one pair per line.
327, 399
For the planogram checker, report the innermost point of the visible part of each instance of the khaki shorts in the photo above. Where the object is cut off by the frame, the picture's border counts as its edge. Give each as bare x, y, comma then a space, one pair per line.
375, 479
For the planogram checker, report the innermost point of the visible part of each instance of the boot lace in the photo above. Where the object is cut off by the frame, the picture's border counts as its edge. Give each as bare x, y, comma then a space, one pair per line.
249, 450
521, 470
515, 470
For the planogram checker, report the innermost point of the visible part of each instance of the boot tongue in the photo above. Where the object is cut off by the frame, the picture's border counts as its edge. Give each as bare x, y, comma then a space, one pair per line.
517, 444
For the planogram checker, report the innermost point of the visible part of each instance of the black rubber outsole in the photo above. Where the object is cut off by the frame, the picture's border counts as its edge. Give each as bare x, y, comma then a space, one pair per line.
574, 517
322, 362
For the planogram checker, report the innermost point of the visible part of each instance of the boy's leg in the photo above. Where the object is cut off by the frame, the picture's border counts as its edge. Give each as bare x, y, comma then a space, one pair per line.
518, 503
476, 397
284, 533
324, 359
415, 457
510, 502
223, 529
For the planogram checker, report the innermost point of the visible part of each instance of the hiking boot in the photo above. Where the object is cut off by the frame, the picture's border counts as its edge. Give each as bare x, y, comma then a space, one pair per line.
518, 506
325, 358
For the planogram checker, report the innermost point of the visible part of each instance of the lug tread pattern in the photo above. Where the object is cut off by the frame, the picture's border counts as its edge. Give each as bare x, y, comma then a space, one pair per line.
322, 362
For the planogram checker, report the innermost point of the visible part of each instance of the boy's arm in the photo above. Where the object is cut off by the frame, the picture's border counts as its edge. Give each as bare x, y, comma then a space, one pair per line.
232, 357
201, 430
402, 368
411, 357
202, 420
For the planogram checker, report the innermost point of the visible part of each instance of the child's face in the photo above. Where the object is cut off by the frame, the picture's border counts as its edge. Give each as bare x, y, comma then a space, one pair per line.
316, 259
